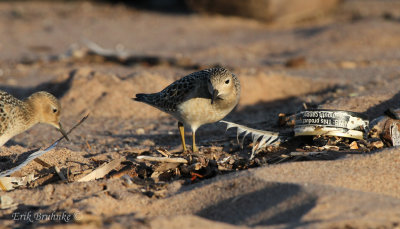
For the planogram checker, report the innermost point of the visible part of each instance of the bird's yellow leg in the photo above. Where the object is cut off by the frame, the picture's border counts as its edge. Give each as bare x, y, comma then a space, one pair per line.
182, 132
195, 149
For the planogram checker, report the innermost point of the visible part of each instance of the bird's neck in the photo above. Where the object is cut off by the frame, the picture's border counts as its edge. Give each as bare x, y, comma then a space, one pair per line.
227, 102
30, 110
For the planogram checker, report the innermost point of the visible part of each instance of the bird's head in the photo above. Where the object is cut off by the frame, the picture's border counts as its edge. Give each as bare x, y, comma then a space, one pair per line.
47, 109
221, 84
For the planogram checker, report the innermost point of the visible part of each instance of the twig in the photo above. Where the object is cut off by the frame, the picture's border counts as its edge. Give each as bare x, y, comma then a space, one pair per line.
42, 163
305, 154
68, 171
76, 125
87, 144
224, 160
164, 152
163, 159
59, 173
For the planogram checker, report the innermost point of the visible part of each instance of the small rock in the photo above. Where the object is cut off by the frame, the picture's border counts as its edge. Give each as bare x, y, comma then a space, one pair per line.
354, 145
377, 144
140, 131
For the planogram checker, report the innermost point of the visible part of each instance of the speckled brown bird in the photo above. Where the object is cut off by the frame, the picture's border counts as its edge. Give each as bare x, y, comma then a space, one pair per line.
17, 116
202, 97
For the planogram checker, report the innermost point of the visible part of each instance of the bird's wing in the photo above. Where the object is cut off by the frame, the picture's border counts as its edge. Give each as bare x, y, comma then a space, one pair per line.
179, 91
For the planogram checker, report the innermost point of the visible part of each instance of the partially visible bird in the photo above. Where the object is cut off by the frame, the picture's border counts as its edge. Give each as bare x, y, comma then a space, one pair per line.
202, 97
17, 116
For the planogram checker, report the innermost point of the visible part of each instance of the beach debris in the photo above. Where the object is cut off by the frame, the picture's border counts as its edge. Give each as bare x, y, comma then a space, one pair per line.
164, 171
387, 128
42, 163
119, 52
354, 145
101, 171
307, 154
163, 159
340, 123
285, 120
127, 180
39, 153
164, 152
261, 138
377, 144
29, 159
395, 134
11, 183
128, 170
47, 165
59, 173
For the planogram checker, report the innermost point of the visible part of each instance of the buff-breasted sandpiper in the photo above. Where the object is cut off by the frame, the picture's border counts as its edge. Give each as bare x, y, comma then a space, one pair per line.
199, 98
17, 116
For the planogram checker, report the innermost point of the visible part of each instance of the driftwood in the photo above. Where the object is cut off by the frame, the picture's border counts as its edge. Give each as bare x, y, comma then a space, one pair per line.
163, 159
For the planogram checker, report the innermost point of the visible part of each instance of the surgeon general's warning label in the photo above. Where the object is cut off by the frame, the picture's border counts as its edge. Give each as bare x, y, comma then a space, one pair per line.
323, 118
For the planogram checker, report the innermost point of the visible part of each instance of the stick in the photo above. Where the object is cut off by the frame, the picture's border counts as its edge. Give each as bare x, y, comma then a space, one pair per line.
101, 171
312, 153
59, 173
163, 159
42, 163
164, 152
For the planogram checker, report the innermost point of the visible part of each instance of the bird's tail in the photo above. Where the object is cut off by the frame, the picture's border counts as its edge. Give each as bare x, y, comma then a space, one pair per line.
140, 97
145, 98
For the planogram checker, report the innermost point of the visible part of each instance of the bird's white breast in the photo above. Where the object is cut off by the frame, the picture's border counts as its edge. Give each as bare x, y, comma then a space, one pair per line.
198, 111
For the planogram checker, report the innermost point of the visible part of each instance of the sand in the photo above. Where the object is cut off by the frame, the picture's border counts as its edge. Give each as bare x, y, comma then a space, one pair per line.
338, 62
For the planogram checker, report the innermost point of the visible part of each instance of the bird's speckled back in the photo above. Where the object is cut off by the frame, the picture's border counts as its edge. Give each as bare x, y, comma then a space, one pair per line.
9, 107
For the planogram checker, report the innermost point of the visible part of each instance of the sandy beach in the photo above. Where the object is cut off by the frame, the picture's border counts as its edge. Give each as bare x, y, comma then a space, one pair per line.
347, 60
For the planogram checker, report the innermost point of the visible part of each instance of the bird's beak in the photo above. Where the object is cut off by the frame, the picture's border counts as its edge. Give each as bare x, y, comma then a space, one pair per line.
62, 131
214, 95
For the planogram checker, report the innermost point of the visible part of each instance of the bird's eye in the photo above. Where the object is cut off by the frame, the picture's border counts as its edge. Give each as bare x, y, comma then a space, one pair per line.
54, 110
227, 82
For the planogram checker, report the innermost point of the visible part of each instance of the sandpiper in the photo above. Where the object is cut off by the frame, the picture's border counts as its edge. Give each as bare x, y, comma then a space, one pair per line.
16, 116
202, 97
